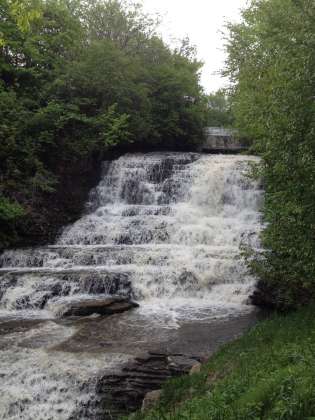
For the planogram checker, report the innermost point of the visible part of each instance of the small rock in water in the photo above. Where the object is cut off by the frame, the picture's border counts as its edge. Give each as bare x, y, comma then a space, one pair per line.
106, 306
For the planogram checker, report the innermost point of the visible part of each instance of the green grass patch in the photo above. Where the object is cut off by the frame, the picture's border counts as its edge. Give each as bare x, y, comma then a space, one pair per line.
269, 373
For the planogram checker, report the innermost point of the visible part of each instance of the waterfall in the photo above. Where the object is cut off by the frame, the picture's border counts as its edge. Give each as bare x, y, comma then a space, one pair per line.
162, 228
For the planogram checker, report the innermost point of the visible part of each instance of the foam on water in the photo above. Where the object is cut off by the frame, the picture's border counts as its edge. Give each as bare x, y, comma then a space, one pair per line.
38, 383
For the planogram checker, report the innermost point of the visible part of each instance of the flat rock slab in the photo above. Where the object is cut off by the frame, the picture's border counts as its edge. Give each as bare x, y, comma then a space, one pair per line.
106, 306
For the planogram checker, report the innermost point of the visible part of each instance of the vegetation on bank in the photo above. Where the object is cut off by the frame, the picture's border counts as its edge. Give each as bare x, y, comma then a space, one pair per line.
267, 374
271, 65
78, 78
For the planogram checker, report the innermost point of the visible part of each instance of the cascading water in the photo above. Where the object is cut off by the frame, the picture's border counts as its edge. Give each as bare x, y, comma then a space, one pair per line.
162, 228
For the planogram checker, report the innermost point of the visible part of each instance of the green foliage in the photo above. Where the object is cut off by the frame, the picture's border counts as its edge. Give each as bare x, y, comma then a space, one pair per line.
267, 374
80, 77
272, 68
219, 110
10, 213
23, 12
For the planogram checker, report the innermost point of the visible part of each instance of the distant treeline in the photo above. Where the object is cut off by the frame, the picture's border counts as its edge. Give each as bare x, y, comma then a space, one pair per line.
271, 64
77, 78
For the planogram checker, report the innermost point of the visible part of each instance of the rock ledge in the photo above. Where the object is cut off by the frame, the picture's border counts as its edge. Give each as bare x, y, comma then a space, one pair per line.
106, 306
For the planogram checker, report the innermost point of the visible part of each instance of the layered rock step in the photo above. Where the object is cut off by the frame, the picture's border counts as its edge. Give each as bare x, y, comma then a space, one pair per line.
123, 392
101, 306
59, 257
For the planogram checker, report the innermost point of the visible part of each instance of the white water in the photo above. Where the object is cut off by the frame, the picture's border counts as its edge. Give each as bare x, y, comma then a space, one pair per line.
160, 226
39, 383
164, 229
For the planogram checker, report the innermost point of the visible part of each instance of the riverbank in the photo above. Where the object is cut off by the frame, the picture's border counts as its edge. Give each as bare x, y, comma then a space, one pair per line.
268, 373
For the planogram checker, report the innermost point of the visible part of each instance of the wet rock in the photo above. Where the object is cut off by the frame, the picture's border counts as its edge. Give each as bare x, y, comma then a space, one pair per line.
36, 300
180, 363
54, 289
22, 302
124, 239
160, 171
136, 192
107, 306
169, 189
7, 281
59, 289
151, 399
123, 392
189, 281
110, 283
41, 295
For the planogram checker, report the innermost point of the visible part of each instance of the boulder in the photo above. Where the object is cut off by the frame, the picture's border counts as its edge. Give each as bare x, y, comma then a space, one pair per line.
151, 399
196, 368
106, 306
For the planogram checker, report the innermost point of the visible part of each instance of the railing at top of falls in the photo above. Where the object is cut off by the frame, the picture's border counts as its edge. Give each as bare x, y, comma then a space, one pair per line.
223, 140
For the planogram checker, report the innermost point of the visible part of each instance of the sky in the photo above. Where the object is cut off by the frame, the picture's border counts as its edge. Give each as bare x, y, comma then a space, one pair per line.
202, 21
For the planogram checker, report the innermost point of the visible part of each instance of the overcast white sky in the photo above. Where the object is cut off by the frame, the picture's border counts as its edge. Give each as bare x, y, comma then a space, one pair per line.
202, 21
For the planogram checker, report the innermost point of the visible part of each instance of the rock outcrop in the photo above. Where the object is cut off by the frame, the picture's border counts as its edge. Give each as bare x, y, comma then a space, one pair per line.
123, 392
106, 306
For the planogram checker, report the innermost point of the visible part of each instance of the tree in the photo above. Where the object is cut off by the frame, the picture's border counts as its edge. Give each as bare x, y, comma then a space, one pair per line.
78, 78
219, 110
271, 64
23, 12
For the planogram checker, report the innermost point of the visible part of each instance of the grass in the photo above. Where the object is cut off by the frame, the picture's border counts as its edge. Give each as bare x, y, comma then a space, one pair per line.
269, 373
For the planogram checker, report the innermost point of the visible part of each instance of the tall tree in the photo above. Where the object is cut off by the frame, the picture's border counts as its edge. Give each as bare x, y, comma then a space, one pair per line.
77, 78
271, 64
219, 109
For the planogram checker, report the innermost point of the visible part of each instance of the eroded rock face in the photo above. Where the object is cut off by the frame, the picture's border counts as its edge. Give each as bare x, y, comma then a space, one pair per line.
123, 392
106, 306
